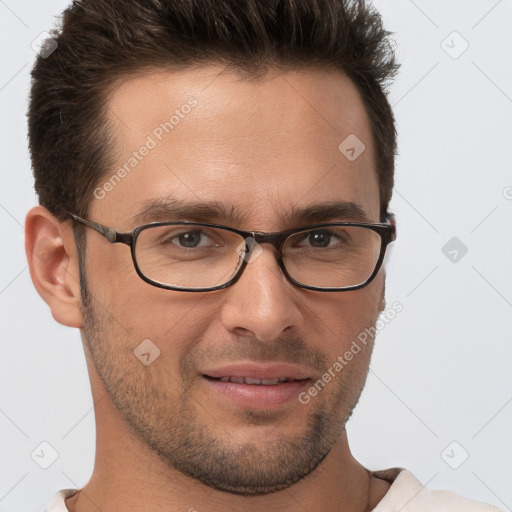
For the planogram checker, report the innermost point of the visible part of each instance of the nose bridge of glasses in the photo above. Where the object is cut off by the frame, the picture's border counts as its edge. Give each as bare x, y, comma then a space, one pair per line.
275, 239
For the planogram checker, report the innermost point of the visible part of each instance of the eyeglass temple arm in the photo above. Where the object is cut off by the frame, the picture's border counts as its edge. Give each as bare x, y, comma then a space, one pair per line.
110, 234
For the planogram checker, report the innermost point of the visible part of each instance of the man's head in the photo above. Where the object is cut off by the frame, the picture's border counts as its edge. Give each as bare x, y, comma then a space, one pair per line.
242, 107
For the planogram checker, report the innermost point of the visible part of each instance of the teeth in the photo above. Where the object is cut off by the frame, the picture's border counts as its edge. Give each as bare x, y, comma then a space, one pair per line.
254, 381
269, 382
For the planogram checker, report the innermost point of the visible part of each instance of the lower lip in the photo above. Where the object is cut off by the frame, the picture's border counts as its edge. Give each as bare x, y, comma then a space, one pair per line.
258, 396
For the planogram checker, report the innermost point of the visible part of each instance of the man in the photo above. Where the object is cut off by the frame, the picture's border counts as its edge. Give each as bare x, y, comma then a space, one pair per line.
214, 180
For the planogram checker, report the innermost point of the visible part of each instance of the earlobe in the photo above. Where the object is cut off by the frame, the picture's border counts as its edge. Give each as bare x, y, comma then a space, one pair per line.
53, 263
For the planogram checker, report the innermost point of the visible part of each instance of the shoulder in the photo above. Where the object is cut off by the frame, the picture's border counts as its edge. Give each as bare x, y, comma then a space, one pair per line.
407, 494
58, 503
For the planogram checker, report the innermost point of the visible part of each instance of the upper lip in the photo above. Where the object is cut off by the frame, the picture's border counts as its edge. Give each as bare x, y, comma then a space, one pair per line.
258, 371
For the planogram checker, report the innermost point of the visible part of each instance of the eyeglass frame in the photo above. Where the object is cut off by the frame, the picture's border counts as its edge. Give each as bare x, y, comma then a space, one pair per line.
277, 239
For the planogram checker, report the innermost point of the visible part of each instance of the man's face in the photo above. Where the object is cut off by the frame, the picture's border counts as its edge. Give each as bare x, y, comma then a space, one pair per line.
258, 148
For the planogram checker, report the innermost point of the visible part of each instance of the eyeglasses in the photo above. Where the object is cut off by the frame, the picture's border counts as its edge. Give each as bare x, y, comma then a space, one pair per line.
199, 257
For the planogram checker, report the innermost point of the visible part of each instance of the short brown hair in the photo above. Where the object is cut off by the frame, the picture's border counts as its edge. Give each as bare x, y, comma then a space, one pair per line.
100, 41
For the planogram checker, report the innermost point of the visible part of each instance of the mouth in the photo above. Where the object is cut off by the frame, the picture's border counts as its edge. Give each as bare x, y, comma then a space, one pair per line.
253, 381
257, 386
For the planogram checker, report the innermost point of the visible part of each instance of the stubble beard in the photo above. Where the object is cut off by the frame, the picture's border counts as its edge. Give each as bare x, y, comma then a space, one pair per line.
173, 428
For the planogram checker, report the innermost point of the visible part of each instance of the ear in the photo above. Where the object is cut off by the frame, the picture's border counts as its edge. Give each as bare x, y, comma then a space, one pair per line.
53, 263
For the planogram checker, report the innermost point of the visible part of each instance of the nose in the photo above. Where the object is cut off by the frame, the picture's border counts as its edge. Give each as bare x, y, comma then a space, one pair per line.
262, 303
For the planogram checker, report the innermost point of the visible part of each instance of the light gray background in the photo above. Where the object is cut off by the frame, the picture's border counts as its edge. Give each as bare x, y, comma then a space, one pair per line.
441, 369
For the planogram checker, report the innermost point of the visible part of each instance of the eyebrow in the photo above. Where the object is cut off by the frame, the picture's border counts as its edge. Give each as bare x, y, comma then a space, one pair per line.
169, 208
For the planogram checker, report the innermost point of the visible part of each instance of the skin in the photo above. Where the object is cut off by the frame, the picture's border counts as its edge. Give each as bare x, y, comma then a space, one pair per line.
261, 146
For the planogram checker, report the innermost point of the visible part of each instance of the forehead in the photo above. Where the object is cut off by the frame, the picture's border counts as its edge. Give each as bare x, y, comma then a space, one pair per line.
260, 147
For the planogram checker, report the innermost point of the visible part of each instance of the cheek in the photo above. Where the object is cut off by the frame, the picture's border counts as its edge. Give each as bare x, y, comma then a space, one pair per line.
349, 317
110, 270
173, 322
